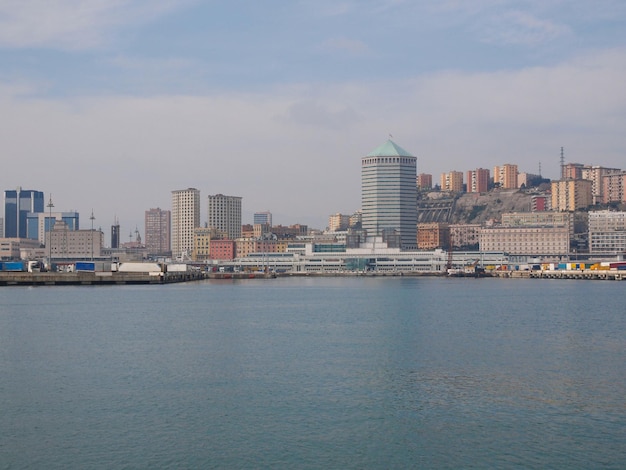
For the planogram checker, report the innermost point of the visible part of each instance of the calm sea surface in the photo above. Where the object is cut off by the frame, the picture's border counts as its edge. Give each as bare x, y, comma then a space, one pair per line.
315, 373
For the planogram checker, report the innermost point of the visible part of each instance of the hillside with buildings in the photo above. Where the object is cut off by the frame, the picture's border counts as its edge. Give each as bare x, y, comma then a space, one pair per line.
471, 208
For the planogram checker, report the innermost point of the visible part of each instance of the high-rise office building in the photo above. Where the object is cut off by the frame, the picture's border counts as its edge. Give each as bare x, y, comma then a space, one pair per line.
158, 229
115, 235
224, 215
263, 218
389, 195
185, 218
17, 204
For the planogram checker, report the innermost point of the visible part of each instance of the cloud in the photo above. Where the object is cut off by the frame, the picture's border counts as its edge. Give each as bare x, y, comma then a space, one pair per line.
296, 149
73, 24
351, 46
328, 8
521, 28
317, 115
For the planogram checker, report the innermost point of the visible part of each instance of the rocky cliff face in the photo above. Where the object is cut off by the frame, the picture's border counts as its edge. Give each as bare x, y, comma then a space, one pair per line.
471, 208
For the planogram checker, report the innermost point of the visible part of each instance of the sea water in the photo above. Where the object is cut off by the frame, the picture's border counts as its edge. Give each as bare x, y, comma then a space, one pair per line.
315, 373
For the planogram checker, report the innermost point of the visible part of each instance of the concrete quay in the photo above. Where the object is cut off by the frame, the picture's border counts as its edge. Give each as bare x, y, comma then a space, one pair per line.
116, 278
587, 274
93, 278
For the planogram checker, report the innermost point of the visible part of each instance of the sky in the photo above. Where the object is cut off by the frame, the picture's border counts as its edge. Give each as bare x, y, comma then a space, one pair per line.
109, 105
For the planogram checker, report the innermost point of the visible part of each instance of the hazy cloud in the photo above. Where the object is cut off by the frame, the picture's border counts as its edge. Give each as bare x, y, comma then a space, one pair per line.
117, 149
521, 28
73, 24
245, 107
350, 46
317, 115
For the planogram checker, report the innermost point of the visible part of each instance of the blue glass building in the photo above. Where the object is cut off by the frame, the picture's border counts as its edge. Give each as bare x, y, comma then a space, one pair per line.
38, 224
18, 203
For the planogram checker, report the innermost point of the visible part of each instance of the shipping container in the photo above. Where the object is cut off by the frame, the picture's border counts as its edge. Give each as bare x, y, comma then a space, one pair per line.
14, 266
151, 268
178, 268
82, 266
92, 266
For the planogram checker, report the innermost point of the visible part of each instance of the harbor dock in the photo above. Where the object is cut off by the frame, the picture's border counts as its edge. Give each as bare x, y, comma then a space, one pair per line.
93, 278
114, 278
584, 274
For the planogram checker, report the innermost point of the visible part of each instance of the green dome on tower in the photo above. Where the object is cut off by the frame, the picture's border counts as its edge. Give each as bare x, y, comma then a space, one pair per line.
389, 149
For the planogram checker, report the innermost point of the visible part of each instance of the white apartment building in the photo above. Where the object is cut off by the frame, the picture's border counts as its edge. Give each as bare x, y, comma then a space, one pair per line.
224, 215
185, 218
607, 232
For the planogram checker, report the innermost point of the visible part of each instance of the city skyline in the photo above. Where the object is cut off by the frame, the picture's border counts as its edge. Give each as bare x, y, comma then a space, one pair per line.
574, 173
121, 102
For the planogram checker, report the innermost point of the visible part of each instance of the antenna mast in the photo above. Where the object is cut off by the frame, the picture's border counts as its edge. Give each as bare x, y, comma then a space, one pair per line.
562, 163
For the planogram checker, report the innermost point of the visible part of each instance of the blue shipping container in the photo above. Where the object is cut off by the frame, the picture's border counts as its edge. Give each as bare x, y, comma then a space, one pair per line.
85, 266
14, 266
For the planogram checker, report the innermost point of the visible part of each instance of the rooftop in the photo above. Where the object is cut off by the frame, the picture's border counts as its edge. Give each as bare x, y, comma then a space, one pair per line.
389, 149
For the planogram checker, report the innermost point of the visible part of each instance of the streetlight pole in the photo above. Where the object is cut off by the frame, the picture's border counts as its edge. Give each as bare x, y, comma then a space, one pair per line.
50, 206
92, 218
